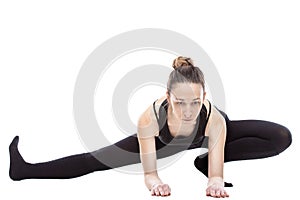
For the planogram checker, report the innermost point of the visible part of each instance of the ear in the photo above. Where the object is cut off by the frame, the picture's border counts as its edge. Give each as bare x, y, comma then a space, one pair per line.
168, 96
204, 95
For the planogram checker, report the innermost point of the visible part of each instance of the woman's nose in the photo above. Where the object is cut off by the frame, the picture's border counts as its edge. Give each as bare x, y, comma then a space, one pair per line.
188, 114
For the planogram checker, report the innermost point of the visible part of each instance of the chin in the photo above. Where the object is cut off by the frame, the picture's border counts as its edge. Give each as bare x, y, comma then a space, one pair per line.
188, 121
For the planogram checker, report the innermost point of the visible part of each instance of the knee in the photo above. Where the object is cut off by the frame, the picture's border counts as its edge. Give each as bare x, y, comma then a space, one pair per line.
284, 139
201, 162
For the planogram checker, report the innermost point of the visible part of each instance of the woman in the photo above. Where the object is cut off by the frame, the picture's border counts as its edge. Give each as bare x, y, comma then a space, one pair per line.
182, 119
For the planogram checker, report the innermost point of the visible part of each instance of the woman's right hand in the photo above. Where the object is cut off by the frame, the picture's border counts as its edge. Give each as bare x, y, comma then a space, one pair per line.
160, 189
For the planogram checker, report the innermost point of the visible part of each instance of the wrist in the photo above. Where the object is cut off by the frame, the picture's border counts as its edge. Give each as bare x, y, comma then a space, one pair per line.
215, 180
152, 181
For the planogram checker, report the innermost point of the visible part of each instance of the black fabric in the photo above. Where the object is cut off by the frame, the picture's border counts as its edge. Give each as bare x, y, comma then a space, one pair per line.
195, 138
122, 153
250, 139
246, 139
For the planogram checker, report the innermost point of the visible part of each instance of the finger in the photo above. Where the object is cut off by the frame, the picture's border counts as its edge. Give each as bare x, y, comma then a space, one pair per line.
166, 189
161, 191
212, 193
224, 194
218, 193
167, 193
152, 192
156, 191
207, 192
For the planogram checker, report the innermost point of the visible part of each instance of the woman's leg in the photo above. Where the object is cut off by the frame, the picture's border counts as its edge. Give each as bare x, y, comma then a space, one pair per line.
253, 139
122, 153
67, 167
250, 139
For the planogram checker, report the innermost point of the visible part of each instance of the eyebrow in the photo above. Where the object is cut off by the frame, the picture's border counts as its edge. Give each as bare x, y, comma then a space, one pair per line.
183, 99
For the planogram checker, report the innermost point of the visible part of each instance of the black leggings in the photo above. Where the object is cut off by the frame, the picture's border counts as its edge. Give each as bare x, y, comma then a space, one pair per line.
247, 139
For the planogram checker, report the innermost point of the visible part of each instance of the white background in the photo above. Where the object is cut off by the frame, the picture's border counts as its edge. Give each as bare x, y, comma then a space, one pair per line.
254, 45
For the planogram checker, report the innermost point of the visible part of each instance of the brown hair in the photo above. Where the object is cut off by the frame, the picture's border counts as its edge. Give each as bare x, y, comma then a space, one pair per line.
185, 72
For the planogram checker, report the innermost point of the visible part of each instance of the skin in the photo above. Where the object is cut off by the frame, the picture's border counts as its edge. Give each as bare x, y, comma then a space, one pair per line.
185, 102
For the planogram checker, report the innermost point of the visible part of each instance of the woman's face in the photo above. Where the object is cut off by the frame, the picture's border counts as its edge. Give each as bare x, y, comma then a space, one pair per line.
186, 100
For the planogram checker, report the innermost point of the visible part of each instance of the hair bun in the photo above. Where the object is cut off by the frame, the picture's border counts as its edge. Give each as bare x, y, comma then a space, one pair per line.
182, 61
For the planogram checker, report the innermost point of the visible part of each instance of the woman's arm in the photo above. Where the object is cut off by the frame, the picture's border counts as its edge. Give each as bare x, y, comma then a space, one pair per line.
216, 132
147, 129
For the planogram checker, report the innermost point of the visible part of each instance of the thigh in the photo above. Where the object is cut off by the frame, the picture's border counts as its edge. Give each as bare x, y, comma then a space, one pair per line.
131, 144
127, 151
249, 139
264, 130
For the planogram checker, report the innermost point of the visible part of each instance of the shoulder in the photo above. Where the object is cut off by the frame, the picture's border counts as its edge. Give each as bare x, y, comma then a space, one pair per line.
153, 109
158, 103
216, 119
147, 122
208, 107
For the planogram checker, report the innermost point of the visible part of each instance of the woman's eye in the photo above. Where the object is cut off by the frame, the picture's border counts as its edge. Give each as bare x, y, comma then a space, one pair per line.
193, 103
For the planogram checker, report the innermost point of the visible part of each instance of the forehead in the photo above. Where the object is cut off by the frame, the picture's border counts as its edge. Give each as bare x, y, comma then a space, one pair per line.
187, 91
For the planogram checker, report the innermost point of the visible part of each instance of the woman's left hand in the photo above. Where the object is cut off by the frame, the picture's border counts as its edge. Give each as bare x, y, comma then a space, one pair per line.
216, 189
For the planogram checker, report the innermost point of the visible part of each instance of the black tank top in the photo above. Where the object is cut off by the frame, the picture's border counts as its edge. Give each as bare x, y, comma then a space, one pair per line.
195, 138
